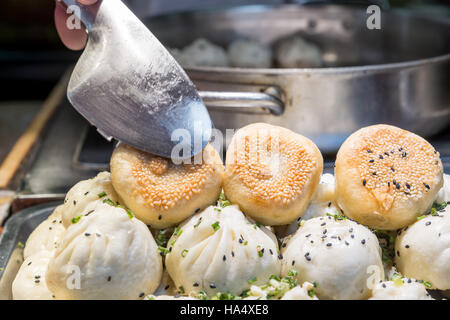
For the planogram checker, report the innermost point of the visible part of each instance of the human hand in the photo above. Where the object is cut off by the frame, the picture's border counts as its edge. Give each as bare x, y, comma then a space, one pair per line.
73, 39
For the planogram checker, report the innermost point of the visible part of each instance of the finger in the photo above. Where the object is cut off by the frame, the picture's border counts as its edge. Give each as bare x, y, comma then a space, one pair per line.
87, 2
74, 39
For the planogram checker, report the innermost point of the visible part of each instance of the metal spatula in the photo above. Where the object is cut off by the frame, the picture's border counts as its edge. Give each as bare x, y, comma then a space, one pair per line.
128, 86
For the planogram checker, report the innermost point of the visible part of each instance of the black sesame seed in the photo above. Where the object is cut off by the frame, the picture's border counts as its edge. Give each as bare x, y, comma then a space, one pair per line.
74, 203
196, 284
329, 244
381, 157
197, 210
323, 224
426, 185
428, 223
87, 234
109, 278
383, 285
387, 154
284, 245
159, 217
407, 185
307, 257
364, 182
280, 256
141, 294
398, 253
407, 246
212, 286
350, 230
369, 151
308, 235
397, 186
404, 155
270, 250
224, 258
363, 241
240, 240
37, 276
86, 193
329, 204
371, 161
293, 262
167, 287
347, 243
374, 173
325, 231
392, 168
352, 236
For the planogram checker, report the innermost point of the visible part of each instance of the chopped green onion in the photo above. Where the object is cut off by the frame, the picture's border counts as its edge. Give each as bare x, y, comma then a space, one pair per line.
76, 219
215, 226
101, 195
292, 273
110, 202
163, 250
252, 280
184, 253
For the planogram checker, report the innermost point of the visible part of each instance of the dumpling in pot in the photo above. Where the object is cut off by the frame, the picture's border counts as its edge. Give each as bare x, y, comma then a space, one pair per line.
203, 53
249, 53
296, 52
219, 250
105, 255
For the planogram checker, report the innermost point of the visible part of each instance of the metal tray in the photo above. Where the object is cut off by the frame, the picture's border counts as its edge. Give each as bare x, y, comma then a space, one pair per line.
16, 230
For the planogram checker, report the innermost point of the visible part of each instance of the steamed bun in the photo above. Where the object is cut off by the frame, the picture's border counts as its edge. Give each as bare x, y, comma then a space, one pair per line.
400, 289
334, 254
219, 250
249, 53
85, 195
423, 250
322, 203
444, 193
116, 255
30, 282
46, 236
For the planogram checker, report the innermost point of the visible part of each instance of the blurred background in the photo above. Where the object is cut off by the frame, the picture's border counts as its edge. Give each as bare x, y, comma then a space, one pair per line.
44, 150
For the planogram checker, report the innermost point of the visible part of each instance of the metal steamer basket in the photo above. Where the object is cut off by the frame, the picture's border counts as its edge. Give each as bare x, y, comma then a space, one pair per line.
398, 75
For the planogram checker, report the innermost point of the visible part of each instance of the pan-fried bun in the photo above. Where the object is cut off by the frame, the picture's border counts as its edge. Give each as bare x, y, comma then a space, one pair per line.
271, 173
161, 193
386, 177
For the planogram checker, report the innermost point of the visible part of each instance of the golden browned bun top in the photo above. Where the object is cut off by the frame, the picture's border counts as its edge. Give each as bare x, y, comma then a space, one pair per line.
394, 164
161, 183
274, 163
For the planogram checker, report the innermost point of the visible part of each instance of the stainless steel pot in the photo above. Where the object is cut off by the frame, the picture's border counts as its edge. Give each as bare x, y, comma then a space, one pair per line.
398, 75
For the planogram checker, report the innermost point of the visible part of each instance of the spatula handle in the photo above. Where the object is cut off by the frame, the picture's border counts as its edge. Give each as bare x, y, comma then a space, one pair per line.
86, 14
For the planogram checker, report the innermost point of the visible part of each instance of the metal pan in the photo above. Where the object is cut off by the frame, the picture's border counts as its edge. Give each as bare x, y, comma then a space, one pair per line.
398, 75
